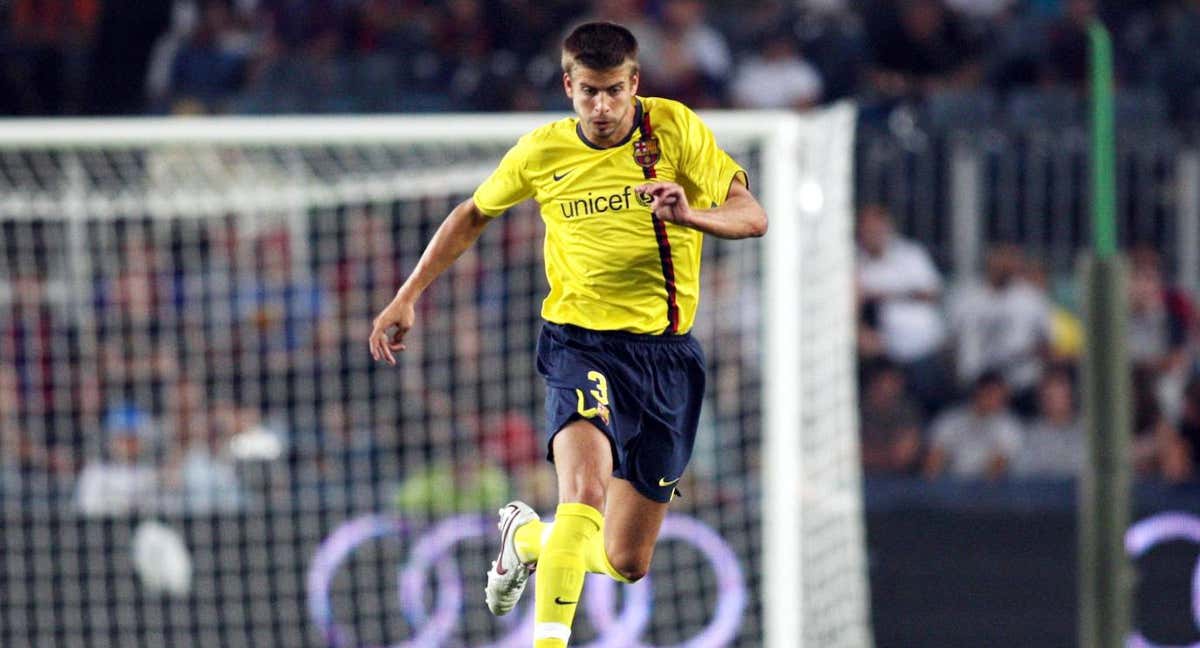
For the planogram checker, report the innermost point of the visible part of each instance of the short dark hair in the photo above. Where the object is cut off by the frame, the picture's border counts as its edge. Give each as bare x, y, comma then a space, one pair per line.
989, 378
599, 46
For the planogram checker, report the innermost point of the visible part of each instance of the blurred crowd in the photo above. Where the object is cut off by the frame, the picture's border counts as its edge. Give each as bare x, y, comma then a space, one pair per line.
210, 367
980, 380
956, 61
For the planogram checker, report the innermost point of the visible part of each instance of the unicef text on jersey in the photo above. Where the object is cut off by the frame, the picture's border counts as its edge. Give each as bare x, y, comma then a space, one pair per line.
619, 201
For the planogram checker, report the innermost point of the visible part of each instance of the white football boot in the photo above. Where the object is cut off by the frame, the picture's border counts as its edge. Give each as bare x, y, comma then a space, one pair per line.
508, 575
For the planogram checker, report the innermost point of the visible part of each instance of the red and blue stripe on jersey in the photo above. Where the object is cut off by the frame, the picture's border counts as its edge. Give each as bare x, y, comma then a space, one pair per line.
646, 131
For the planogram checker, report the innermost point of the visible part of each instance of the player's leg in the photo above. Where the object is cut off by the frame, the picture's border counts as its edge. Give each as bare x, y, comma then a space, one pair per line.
656, 435
584, 464
578, 431
632, 523
629, 530
656, 457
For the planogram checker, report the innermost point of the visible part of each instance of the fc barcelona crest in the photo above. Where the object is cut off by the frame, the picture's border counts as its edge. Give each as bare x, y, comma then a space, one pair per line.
645, 152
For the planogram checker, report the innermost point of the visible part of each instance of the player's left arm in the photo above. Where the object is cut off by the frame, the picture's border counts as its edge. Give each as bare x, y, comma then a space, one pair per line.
740, 216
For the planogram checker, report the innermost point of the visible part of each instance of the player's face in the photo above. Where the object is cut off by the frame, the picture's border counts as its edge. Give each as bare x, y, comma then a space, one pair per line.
603, 99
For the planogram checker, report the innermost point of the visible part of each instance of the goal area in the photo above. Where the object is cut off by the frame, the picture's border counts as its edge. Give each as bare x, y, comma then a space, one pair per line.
196, 448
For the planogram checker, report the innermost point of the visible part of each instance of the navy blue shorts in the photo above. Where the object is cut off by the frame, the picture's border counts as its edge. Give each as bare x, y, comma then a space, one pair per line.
643, 391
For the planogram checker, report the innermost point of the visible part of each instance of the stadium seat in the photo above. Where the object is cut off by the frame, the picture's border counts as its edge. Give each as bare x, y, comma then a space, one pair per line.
1140, 107
955, 110
1046, 108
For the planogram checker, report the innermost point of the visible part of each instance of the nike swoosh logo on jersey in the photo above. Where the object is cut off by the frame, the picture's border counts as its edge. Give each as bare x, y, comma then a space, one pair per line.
662, 481
558, 177
558, 600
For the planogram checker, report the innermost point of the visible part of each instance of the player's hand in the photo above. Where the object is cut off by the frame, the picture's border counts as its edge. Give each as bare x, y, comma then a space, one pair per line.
387, 336
667, 201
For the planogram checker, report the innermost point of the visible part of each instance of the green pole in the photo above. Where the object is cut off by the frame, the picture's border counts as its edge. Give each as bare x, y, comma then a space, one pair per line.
1103, 179
1105, 574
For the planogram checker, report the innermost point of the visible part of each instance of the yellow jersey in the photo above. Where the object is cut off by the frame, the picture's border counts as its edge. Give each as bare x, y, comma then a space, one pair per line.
610, 263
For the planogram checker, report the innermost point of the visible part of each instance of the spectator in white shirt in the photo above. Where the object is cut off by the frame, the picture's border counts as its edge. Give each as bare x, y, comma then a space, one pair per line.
126, 480
1053, 446
779, 78
979, 439
199, 469
1160, 329
1002, 323
899, 289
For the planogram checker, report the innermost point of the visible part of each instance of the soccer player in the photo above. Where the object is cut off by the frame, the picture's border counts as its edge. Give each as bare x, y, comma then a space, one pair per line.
627, 190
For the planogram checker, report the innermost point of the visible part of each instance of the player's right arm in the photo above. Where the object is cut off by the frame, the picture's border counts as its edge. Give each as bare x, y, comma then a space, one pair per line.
507, 186
458, 232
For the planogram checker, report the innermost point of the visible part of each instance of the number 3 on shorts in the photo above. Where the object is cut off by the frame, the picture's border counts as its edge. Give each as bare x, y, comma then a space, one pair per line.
600, 394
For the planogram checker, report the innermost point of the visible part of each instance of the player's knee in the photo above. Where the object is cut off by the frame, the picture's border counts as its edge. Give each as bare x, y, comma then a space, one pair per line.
583, 490
630, 565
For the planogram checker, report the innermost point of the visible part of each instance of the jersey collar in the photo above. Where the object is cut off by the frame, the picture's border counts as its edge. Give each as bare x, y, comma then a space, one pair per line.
637, 119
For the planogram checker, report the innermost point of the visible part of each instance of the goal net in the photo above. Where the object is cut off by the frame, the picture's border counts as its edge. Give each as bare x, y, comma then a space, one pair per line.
197, 450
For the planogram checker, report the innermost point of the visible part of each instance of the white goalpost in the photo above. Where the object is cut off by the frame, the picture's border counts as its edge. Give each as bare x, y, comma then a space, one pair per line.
196, 449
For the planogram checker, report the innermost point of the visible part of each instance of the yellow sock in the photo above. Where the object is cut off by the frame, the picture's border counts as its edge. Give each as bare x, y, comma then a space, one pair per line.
531, 536
560, 572
529, 539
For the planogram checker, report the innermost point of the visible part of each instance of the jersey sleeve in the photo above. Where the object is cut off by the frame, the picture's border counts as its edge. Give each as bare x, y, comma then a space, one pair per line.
704, 164
508, 184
